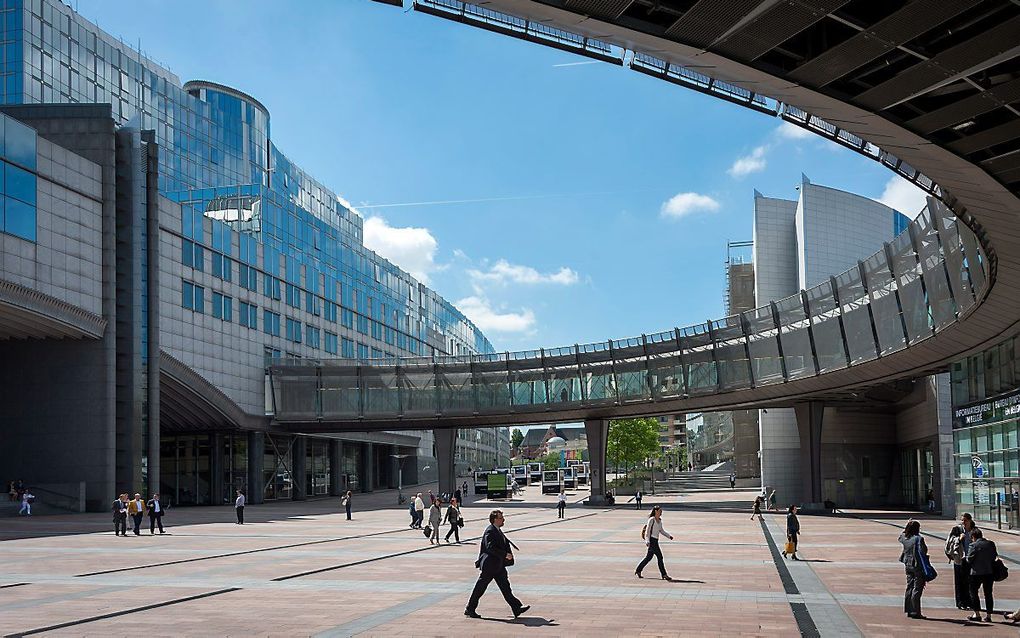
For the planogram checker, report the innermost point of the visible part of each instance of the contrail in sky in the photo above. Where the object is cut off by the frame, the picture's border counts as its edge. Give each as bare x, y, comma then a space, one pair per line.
557, 66
443, 202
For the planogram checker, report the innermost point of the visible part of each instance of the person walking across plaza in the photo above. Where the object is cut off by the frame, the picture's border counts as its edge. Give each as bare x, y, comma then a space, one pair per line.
561, 503
136, 509
651, 532
27, 498
156, 510
239, 507
453, 517
637, 499
346, 502
957, 545
494, 556
120, 512
419, 511
931, 501
792, 530
733, 480
772, 501
913, 557
435, 520
981, 558
756, 511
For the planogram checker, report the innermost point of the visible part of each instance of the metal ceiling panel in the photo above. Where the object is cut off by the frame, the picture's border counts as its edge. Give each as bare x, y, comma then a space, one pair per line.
926, 75
986, 139
774, 27
906, 24
708, 20
605, 9
966, 108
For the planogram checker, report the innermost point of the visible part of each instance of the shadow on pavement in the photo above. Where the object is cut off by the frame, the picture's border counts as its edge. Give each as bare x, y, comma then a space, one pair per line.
527, 621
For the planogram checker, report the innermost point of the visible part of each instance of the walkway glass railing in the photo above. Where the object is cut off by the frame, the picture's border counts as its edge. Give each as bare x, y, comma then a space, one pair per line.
922, 282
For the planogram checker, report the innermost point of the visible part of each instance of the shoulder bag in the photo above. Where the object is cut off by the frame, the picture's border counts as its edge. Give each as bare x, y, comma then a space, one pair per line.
999, 571
922, 560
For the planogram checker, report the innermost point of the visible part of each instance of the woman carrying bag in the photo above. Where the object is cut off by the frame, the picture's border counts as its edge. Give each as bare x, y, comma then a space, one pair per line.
792, 531
917, 567
455, 520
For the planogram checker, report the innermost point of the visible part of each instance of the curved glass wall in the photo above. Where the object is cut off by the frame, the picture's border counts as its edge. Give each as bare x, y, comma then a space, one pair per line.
920, 283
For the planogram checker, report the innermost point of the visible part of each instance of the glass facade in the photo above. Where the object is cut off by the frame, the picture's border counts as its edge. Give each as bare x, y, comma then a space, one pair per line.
892, 300
986, 419
18, 179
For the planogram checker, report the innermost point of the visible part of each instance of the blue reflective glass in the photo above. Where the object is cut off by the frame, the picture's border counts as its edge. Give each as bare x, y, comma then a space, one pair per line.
19, 219
19, 143
19, 183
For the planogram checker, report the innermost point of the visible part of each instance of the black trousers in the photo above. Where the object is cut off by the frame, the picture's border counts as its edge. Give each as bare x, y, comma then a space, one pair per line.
653, 550
137, 519
120, 524
961, 586
912, 596
154, 521
240, 514
637, 504
455, 530
502, 580
985, 582
348, 512
561, 506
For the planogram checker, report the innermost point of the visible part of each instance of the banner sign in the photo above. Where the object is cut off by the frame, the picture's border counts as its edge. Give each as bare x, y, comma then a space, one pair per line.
989, 411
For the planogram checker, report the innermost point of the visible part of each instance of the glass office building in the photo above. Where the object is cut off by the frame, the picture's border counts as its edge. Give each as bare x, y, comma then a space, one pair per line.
263, 246
986, 448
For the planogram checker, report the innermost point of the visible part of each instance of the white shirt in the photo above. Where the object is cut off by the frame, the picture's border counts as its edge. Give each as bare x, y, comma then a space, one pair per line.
240, 501
139, 505
563, 498
155, 507
655, 528
419, 505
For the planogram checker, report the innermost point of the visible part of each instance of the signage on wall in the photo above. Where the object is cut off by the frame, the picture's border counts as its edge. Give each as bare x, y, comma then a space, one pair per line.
978, 465
981, 492
1005, 407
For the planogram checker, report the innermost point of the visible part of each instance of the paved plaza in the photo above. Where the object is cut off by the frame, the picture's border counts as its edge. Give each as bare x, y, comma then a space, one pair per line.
301, 569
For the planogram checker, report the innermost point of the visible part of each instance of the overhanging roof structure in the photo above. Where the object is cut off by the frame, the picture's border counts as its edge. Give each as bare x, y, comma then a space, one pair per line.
929, 88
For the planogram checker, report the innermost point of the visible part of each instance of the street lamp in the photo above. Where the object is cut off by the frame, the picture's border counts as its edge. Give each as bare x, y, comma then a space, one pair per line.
400, 475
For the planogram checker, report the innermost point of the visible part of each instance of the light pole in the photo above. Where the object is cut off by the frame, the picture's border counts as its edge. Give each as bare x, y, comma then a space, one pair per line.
400, 475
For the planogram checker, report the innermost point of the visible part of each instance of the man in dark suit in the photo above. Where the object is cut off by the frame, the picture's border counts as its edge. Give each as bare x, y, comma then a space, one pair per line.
493, 556
156, 510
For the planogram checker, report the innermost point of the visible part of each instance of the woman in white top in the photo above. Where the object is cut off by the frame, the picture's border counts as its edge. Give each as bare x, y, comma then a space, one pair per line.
652, 531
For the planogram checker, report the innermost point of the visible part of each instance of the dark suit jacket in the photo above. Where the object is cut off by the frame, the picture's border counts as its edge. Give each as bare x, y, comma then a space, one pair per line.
151, 507
493, 550
981, 557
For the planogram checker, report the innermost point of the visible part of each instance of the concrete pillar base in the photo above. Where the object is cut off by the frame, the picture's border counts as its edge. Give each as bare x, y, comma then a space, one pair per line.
446, 442
597, 431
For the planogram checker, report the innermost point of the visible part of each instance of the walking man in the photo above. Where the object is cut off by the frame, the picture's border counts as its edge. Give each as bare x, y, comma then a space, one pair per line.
120, 515
493, 556
561, 504
733, 480
136, 508
239, 507
26, 503
637, 499
156, 510
419, 511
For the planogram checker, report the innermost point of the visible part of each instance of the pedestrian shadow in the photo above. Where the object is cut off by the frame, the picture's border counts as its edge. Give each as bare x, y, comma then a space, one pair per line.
813, 560
681, 581
527, 621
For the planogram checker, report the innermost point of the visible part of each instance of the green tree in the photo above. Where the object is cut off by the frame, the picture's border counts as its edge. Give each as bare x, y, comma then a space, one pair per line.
631, 441
516, 437
550, 461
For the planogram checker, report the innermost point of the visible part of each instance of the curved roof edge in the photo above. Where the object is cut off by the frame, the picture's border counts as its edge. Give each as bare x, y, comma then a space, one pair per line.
223, 88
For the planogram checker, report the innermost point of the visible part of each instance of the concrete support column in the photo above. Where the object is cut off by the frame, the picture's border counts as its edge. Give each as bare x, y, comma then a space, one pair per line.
597, 431
256, 455
446, 444
368, 450
335, 474
299, 468
394, 466
216, 465
809, 424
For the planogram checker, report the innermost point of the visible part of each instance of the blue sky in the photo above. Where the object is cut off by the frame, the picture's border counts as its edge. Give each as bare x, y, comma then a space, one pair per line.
602, 199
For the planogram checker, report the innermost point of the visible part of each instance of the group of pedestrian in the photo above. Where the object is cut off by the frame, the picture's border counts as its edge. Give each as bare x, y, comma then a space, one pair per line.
136, 508
417, 511
976, 568
16, 491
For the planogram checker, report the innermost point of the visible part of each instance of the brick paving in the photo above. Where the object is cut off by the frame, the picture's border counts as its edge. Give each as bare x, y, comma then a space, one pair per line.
301, 569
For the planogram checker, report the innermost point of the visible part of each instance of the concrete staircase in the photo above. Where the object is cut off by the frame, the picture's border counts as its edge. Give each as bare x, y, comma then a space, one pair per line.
694, 482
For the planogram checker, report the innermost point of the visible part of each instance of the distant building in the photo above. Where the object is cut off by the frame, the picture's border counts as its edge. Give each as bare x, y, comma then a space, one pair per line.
535, 443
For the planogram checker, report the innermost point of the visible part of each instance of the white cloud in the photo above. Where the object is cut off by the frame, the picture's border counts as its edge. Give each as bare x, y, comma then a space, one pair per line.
789, 131
503, 272
753, 163
490, 319
413, 249
683, 204
901, 195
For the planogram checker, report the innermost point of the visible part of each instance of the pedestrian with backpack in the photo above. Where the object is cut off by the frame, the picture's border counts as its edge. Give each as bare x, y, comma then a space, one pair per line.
917, 567
650, 534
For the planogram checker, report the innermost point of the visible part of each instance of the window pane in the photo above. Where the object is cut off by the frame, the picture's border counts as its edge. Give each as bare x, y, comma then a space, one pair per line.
19, 184
18, 219
19, 142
